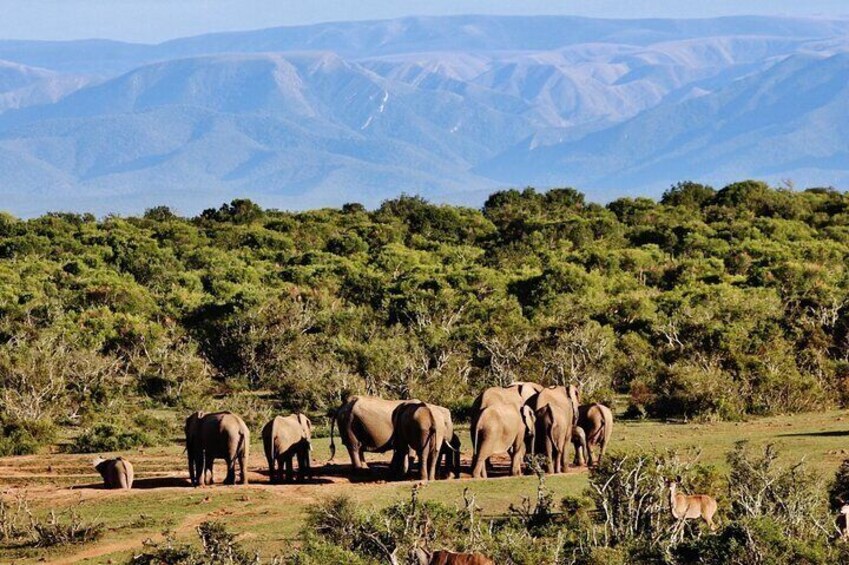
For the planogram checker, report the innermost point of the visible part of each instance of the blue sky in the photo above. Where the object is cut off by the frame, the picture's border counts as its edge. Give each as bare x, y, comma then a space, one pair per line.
157, 20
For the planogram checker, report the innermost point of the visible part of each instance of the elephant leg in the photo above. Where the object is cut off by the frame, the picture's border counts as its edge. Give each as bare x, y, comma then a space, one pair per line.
243, 468
208, 475
272, 472
424, 464
303, 464
550, 456
230, 479
398, 465
290, 469
478, 466
516, 462
434, 465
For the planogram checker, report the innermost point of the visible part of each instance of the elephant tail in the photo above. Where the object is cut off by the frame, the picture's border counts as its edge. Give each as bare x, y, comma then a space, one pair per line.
332, 442
273, 447
554, 428
242, 446
607, 424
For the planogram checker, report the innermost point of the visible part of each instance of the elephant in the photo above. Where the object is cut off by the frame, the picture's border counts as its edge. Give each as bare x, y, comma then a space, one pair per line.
596, 424
579, 440
516, 394
503, 428
419, 427
451, 445
555, 414
117, 473
222, 435
365, 424
284, 438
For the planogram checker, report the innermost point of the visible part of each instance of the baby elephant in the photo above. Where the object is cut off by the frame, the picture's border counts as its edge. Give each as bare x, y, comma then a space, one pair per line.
116, 473
284, 438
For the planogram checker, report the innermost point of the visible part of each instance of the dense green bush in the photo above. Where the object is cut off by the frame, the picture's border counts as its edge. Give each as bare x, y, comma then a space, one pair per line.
708, 303
24, 438
104, 437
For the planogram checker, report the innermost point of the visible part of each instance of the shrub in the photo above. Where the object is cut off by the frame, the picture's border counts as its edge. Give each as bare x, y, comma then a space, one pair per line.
793, 497
107, 437
319, 551
838, 490
56, 531
688, 390
24, 438
218, 546
754, 540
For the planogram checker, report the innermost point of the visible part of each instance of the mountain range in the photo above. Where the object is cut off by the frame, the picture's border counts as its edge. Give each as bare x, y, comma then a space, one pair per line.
447, 107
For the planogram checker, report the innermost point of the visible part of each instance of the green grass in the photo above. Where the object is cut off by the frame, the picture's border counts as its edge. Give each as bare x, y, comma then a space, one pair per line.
270, 517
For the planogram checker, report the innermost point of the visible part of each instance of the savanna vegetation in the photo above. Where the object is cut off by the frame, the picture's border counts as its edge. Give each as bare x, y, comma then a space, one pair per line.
708, 305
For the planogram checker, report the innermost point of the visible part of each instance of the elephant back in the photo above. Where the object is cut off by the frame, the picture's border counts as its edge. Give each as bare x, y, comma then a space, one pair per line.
371, 421
557, 397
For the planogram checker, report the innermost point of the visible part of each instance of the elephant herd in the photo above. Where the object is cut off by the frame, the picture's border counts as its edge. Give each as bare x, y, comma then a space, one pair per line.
518, 419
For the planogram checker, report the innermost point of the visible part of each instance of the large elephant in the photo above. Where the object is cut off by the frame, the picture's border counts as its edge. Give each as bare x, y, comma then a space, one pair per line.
503, 428
595, 426
418, 427
365, 424
516, 394
117, 473
555, 414
284, 438
222, 435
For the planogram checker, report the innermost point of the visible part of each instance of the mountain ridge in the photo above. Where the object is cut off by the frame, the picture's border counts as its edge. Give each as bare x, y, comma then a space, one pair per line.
409, 107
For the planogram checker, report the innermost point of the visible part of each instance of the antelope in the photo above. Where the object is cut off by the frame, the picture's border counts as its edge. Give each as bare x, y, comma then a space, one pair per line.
448, 558
688, 507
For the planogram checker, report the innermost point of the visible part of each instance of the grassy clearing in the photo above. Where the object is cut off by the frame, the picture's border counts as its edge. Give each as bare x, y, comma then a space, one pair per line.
270, 517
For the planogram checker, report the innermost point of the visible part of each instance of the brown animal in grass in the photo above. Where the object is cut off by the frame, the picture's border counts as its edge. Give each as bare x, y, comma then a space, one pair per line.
691, 507
450, 558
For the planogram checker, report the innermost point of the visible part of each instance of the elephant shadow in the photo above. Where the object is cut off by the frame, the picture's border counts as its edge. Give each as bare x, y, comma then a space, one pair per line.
314, 480
377, 472
832, 433
142, 484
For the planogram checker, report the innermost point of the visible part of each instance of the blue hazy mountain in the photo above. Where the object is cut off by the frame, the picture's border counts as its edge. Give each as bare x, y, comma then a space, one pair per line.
445, 107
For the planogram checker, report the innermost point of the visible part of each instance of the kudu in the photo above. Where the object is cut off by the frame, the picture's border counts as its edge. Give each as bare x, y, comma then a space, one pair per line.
692, 506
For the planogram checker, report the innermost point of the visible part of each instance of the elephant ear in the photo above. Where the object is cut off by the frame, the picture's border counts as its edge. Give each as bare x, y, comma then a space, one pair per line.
306, 426
192, 423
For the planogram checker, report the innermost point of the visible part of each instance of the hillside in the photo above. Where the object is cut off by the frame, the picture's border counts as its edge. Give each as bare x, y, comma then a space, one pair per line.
449, 108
